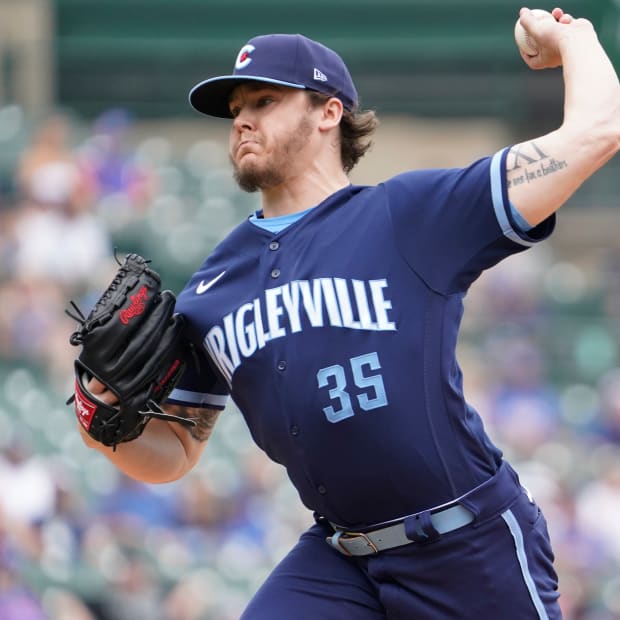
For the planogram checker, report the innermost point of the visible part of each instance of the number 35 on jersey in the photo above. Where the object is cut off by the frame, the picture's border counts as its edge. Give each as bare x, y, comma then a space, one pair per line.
356, 384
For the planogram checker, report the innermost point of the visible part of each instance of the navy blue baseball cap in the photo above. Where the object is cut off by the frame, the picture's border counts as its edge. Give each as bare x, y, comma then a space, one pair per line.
285, 59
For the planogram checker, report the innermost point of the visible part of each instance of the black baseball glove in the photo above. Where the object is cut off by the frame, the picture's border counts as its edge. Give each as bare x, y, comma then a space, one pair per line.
130, 342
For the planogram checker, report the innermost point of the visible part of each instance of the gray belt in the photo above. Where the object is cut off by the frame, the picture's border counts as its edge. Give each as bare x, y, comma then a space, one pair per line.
390, 536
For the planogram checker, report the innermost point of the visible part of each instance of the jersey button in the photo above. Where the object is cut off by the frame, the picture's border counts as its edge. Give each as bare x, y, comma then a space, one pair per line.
275, 273
281, 365
274, 245
321, 489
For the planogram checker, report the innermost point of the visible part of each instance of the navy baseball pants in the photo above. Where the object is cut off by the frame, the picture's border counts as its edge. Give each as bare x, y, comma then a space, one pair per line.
500, 566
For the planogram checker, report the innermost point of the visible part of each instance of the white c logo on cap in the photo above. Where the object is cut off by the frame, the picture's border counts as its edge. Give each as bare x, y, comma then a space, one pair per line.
244, 58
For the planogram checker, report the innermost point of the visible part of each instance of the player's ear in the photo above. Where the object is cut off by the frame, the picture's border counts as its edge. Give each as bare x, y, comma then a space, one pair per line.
331, 113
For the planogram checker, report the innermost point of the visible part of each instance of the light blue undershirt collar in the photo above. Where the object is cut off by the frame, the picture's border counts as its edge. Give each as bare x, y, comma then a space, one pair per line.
279, 223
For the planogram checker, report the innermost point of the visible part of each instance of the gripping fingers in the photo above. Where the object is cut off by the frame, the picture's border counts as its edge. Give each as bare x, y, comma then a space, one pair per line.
96, 388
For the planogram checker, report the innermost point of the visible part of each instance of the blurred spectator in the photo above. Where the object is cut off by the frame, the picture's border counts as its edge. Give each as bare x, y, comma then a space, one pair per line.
199, 507
64, 245
28, 317
202, 596
523, 408
54, 233
17, 602
49, 173
137, 506
598, 507
28, 488
61, 604
122, 184
606, 423
134, 592
610, 271
511, 293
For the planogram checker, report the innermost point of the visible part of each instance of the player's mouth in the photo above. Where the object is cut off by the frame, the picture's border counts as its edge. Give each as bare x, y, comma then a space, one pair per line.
245, 147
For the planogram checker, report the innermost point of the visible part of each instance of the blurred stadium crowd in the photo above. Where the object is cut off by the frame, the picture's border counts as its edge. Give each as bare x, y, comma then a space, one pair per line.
79, 541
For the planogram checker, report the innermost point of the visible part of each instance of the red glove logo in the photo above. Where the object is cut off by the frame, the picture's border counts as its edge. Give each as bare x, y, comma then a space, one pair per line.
84, 408
136, 307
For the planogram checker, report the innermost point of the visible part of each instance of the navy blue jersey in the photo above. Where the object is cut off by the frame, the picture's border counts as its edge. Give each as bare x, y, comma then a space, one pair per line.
336, 338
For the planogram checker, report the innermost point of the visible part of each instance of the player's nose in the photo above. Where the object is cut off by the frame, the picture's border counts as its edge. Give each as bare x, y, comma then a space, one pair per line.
243, 120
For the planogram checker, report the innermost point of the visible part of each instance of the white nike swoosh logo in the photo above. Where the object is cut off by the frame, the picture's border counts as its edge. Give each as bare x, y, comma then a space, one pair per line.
203, 288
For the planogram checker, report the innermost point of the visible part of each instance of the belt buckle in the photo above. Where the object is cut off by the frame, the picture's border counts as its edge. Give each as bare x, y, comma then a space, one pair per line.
336, 541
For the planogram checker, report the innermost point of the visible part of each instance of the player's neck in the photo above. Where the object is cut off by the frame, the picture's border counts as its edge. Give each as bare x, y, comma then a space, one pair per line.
301, 193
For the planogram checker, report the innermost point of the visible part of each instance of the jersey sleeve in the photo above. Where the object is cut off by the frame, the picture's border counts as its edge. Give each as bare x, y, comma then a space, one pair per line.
452, 224
200, 385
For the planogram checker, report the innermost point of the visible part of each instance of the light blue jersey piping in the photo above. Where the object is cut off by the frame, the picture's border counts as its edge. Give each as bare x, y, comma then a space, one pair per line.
199, 399
517, 536
498, 204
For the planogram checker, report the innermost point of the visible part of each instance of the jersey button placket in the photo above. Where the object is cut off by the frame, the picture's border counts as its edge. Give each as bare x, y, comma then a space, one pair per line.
274, 246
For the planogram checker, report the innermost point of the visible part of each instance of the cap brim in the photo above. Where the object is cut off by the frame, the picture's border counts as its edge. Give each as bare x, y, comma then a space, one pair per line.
211, 96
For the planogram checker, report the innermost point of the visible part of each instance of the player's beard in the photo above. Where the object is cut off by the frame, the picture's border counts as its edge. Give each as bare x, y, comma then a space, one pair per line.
254, 177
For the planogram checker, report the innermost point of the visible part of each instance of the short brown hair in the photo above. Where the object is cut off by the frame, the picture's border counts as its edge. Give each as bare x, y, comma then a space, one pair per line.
356, 128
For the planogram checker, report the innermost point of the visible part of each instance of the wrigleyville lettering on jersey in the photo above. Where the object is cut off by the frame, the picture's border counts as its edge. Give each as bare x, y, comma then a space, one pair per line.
305, 304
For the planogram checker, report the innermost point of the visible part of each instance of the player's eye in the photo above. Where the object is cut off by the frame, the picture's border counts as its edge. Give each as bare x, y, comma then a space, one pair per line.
264, 101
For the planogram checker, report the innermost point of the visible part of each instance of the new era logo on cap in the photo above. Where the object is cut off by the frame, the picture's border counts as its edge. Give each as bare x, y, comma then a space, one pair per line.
286, 59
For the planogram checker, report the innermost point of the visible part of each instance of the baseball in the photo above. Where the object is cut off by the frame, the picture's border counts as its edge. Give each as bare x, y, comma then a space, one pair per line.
526, 42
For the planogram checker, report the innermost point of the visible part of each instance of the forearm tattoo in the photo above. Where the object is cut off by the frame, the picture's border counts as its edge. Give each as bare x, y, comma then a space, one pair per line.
527, 163
205, 419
